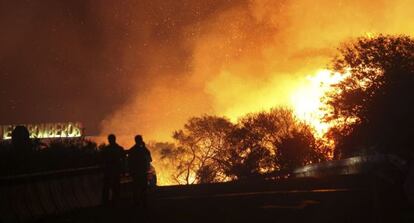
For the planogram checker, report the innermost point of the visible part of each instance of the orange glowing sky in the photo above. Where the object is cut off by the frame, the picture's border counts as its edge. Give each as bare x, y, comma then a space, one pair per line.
129, 67
250, 57
146, 66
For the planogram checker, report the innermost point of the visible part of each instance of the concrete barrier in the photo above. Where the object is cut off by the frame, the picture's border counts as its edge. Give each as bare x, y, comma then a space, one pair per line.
69, 195
87, 190
18, 202
95, 189
82, 193
45, 195
78, 193
33, 201
6, 211
26, 198
57, 196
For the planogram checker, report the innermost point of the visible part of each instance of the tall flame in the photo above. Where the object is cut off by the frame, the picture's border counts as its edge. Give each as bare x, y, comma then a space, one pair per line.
230, 58
307, 100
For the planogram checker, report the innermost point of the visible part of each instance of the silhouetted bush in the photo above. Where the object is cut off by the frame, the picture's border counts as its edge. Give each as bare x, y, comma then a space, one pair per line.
213, 149
48, 155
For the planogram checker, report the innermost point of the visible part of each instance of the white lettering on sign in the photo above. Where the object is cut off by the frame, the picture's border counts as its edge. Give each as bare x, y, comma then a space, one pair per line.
46, 130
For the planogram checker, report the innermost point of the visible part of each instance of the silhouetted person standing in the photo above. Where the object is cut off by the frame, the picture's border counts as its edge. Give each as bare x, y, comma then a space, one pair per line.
22, 150
21, 139
112, 163
139, 159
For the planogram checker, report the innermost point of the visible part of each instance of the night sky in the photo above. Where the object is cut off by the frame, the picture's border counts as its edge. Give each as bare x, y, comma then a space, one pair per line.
80, 60
147, 66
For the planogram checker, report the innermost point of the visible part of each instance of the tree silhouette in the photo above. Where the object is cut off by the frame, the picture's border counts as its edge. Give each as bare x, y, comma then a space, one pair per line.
245, 155
253, 144
211, 149
373, 106
297, 148
197, 148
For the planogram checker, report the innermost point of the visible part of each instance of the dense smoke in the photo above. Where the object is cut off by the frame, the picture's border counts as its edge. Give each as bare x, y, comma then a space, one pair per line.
234, 57
129, 67
146, 66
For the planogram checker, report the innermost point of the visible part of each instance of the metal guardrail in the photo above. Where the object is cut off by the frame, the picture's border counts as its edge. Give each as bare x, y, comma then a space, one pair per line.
355, 165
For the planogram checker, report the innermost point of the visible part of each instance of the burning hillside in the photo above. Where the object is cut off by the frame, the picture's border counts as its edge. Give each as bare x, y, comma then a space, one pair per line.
231, 58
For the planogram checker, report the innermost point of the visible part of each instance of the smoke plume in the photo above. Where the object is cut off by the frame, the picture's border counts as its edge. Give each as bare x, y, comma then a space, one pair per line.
233, 57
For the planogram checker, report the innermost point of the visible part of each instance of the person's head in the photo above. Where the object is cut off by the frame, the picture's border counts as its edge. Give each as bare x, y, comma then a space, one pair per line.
139, 140
111, 139
21, 137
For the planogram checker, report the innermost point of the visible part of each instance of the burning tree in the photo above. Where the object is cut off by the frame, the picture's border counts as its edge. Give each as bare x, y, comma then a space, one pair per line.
299, 147
212, 149
373, 107
266, 142
198, 145
250, 146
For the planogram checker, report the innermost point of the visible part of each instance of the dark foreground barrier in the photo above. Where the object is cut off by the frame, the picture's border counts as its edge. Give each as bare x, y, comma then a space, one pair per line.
357, 189
283, 200
29, 197
379, 165
369, 188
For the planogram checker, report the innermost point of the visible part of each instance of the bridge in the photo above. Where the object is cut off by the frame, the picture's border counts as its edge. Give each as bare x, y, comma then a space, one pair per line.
314, 194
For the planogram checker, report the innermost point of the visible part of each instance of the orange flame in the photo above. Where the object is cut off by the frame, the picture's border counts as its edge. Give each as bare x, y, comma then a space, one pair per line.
307, 100
243, 58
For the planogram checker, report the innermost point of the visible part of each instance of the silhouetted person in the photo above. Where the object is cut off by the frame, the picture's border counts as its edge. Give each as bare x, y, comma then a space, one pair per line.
112, 163
139, 159
21, 139
22, 155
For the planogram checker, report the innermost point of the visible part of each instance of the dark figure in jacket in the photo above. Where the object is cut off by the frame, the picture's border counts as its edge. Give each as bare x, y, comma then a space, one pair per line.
112, 164
139, 159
